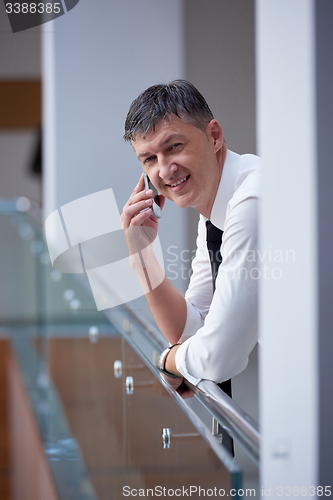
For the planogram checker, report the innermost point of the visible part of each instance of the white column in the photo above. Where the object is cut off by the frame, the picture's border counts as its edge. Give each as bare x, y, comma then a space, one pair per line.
285, 49
49, 120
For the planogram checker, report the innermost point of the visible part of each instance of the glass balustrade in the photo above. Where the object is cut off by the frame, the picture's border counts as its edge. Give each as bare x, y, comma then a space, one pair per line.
109, 425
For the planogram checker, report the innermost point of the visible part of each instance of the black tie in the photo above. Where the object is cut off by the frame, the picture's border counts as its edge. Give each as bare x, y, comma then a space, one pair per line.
214, 240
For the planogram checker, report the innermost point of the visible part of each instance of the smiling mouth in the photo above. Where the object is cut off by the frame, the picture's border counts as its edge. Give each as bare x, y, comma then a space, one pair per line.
179, 182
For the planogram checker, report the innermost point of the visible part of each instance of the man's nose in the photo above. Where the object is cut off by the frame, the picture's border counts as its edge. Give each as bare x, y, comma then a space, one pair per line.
167, 168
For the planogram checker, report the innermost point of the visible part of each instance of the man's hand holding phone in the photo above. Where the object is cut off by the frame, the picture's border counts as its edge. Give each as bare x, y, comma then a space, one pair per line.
144, 206
141, 227
157, 211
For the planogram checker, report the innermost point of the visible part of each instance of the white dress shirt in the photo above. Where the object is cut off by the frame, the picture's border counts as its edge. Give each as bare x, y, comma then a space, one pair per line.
221, 327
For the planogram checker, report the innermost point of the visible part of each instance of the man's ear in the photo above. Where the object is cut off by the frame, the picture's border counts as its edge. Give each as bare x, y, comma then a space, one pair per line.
215, 132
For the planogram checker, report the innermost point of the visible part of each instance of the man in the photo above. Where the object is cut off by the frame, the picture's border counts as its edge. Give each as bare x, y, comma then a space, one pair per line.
182, 149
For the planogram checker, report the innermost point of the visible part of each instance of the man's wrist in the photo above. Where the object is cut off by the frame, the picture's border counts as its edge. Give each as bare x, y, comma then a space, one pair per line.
162, 362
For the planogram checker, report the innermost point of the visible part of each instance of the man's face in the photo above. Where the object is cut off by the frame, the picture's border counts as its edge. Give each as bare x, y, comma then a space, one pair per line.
183, 162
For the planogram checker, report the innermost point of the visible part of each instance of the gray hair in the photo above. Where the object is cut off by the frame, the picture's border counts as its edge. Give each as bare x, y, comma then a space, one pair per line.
179, 98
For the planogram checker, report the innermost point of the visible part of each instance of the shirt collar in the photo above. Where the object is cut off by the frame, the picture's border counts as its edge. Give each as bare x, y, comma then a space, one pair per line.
226, 189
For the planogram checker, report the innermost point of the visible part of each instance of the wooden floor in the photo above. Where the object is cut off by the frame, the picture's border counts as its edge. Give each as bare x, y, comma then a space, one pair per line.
4, 427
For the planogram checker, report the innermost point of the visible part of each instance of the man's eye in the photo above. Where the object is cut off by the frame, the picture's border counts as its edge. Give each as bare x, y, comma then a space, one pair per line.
175, 145
147, 160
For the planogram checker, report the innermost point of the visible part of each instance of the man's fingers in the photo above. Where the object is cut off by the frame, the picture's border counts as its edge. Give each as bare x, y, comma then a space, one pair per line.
140, 185
136, 220
140, 200
138, 188
139, 219
131, 211
138, 195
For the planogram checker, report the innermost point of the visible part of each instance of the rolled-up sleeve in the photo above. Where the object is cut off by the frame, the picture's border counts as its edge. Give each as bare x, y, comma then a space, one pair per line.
221, 328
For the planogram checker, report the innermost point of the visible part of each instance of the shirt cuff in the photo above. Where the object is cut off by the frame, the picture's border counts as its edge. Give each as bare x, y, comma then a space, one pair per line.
180, 360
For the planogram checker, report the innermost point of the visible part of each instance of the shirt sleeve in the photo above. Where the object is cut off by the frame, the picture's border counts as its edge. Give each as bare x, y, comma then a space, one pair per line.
227, 334
199, 294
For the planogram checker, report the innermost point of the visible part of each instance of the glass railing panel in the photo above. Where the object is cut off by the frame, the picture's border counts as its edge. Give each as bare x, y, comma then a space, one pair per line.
98, 397
17, 270
176, 455
117, 417
92, 397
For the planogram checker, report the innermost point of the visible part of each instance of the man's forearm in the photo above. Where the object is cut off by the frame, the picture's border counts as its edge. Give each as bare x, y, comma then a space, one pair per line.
167, 304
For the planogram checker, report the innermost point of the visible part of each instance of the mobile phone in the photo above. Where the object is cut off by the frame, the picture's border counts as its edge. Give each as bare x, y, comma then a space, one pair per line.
157, 212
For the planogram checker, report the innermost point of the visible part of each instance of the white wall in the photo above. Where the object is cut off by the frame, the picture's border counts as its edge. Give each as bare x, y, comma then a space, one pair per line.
219, 59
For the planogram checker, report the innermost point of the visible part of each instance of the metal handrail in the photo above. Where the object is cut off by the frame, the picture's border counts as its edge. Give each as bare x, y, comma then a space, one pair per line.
230, 416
